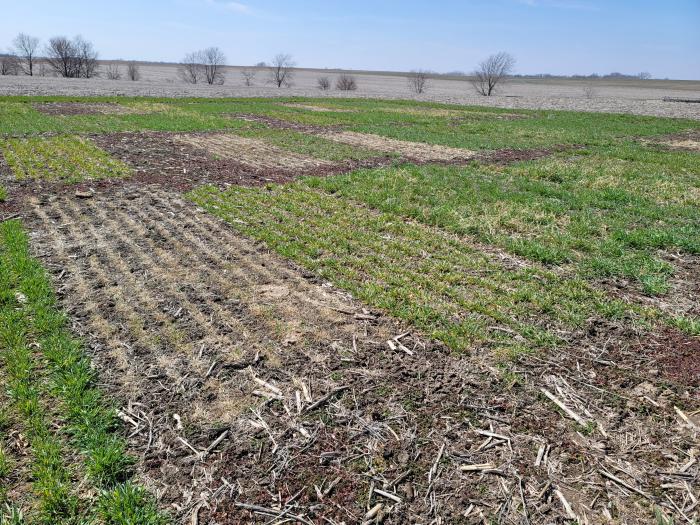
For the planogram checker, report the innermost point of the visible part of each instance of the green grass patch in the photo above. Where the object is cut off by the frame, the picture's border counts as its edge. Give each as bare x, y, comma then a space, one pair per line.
605, 211
3, 194
431, 278
467, 127
50, 379
64, 158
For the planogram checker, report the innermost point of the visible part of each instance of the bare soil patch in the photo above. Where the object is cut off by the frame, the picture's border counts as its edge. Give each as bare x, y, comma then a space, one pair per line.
247, 384
418, 151
250, 152
83, 108
688, 141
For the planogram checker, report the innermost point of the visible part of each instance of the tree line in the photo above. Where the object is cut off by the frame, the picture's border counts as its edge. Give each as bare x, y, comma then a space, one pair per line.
60, 56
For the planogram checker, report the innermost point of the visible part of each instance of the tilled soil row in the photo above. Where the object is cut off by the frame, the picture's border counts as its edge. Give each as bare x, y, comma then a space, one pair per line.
254, 153
250, 390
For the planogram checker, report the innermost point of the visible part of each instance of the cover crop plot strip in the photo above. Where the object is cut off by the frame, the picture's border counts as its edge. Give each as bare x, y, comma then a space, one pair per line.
35, 338
69, 159
605, 217
429, 278
252, 152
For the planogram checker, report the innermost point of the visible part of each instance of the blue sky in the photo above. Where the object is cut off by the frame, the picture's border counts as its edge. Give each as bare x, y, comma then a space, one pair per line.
554, 36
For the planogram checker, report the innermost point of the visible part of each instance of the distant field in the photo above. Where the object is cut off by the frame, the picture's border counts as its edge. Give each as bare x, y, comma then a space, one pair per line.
357, 310
616, 96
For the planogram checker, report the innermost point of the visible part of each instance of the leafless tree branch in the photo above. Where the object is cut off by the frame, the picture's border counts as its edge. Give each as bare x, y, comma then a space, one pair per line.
346, 82
491, 72
418, 81
191, 69
133, 72
281, 72
113, 72
72, 58
26, 47
249, 76
9, 64
213, 60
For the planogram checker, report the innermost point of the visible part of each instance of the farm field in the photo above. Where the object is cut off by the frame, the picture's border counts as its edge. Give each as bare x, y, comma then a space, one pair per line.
630, 96
340, 310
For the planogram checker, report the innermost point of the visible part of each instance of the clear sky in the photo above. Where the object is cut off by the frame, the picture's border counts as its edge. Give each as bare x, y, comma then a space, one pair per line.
545, 36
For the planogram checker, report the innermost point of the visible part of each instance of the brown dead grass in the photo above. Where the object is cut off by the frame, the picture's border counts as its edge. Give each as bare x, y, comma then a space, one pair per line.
418, 151
317, 109
255, 153
85, 108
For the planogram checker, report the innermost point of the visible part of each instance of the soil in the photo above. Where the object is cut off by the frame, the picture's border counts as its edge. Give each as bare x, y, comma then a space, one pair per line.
637, 97
201, 333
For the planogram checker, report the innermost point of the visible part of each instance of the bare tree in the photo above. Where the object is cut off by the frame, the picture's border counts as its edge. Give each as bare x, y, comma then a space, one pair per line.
324, 83
9, 64
72, 59
133, 72
113, 72
42, 68
26, 47
87, 57
491, 72
214, 60
589, 91
418, 81
248, 76
191, 68
61, 55
644, 75
281, 72
346, 83
261, 64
